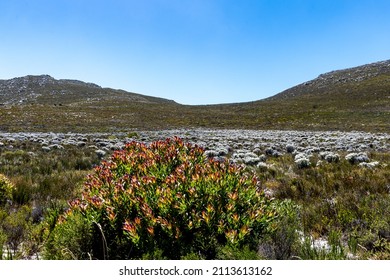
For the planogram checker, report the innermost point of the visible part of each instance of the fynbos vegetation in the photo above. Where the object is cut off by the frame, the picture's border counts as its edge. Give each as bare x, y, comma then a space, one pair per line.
6, 189
168, 198
151, 199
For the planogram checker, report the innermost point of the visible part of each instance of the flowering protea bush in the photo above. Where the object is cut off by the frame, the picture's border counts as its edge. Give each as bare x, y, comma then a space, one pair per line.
166, 197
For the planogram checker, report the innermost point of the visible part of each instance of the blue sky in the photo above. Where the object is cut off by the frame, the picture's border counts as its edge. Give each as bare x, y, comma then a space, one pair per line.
191, 51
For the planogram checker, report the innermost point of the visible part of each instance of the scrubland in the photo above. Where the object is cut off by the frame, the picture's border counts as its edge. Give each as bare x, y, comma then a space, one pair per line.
215, 194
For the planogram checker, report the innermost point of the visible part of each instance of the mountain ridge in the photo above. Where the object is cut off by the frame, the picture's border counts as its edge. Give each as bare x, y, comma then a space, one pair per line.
31, 87
356, 98
338, 77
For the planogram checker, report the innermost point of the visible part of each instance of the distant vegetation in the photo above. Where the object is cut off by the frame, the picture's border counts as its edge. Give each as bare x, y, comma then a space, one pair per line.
147, 203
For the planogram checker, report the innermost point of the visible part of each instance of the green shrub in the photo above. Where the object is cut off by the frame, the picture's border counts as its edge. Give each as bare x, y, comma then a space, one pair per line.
133, 135
166, 197
70, 240
23, 192
6, 188
15, 226
283, 242
3, 239
333, 251
233, 253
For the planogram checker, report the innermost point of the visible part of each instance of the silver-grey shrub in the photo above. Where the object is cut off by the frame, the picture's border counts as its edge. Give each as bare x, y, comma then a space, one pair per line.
290, 148
302, 160
330, 157
357, 157
302, 163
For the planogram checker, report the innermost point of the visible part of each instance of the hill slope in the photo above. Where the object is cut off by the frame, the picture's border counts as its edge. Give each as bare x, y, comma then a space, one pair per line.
351, 99
44, 89
42, 103
362, 81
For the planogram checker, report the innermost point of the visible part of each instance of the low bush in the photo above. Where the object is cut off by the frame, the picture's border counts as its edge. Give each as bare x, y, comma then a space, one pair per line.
3, 239
6, 189
15, 226
166, 197
284, 241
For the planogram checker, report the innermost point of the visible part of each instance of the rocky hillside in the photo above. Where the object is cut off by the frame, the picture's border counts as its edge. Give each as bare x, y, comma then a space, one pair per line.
357, 78
351, 99
44, 89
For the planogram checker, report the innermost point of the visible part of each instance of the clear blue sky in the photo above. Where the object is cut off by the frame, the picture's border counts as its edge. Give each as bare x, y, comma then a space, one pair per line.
192, 51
